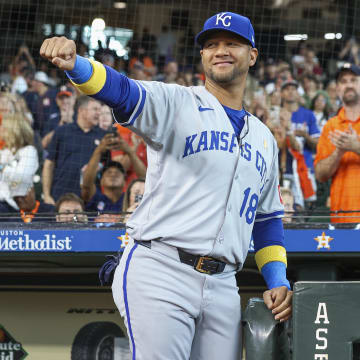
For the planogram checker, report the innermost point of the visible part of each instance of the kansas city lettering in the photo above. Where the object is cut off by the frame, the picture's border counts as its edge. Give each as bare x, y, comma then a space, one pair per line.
215, 140
223, 141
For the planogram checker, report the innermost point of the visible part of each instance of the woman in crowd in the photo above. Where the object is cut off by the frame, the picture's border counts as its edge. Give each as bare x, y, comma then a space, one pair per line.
11, 103
335, 102
18, 159
133, 196
320, 106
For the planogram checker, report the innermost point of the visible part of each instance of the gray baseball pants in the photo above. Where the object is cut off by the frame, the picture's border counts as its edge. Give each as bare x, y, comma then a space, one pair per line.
173, 312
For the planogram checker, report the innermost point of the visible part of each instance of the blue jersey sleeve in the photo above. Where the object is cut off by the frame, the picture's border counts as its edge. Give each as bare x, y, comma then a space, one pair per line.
105, 84
268, 233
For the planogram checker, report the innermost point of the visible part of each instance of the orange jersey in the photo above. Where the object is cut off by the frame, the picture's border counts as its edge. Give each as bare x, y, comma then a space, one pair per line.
345, 184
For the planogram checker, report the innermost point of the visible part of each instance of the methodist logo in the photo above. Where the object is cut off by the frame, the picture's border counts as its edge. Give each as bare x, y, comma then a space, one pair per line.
323, 241
10, 349
20, 241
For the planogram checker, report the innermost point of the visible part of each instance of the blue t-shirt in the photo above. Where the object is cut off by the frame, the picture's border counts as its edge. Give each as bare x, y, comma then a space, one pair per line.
236, 118
70, 149
299, 118
100, 202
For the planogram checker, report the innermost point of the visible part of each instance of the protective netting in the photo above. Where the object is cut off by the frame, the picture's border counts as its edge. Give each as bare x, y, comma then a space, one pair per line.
306, 41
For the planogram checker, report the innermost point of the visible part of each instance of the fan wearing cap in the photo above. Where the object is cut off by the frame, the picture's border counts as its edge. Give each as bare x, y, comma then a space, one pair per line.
108, 197
338, 150
65, 101
211, 184
45, 103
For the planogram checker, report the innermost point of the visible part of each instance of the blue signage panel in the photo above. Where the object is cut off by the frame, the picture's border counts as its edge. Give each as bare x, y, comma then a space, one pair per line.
101, 240
344, 240
62, 240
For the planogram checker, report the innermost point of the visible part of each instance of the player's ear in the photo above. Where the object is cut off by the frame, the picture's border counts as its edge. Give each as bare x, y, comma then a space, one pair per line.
201, 52
253, 56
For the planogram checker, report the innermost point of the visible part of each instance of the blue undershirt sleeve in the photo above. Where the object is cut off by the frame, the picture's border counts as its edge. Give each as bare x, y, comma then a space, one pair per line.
81, 72
274, 274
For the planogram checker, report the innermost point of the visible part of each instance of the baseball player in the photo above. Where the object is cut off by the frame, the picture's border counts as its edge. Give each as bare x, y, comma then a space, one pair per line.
211, 184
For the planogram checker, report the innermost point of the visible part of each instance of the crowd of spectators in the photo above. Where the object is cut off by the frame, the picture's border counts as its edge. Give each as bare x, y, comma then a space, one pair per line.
60, 152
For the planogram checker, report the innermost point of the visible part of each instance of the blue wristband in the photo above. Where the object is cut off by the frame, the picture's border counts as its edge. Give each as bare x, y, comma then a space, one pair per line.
274, 274
81, 72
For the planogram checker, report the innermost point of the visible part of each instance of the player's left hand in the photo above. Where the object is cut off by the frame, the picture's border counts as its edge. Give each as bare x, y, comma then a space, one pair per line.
279, 301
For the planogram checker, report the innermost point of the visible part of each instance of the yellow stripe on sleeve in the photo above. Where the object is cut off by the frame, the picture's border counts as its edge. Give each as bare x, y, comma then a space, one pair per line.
269, 254
96, 82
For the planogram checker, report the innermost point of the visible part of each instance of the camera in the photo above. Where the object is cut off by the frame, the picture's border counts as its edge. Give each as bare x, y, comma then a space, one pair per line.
138, 198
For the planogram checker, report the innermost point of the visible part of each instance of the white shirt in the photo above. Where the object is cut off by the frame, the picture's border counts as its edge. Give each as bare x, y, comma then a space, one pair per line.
17, 172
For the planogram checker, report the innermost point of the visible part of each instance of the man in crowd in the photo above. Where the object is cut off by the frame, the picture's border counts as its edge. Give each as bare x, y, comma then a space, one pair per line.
30, 209
70, 208
45, 102
105, 119
70, 149
303, 126
131, 154
170, 73
109, 196
64, 114
338, 151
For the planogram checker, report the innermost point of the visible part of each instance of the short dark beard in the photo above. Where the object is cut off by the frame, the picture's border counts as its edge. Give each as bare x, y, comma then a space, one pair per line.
352, 101
223, 78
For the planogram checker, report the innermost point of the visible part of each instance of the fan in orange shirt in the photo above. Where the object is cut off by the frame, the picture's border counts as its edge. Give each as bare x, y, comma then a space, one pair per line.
134, 161
338, 150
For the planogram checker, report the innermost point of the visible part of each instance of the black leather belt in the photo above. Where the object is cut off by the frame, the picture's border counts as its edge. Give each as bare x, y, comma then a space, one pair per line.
203, 264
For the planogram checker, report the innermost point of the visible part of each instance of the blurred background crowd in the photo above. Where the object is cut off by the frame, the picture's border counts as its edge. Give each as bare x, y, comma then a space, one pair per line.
61, 155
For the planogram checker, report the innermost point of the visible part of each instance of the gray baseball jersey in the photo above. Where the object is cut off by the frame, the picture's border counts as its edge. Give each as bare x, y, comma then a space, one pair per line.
203, 191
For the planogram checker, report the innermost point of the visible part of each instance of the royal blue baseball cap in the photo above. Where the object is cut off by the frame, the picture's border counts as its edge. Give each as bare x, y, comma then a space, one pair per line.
227, 21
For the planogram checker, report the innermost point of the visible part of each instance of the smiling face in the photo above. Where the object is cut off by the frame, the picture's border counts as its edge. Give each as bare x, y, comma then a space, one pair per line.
226, 57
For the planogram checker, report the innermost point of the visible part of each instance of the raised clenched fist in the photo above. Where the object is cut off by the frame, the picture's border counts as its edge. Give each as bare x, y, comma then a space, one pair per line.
60, 51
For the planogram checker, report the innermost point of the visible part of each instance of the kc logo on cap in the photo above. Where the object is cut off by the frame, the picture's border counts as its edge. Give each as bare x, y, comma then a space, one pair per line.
223, 18
227, 21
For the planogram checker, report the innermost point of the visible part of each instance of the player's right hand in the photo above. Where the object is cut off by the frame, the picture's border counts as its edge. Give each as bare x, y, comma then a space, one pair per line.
60, 51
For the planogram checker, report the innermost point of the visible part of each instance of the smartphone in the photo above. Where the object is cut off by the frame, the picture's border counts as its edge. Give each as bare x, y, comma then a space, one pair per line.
114, 131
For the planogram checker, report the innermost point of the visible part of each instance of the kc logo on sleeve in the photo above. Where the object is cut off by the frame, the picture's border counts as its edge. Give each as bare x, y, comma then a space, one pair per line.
223, 18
